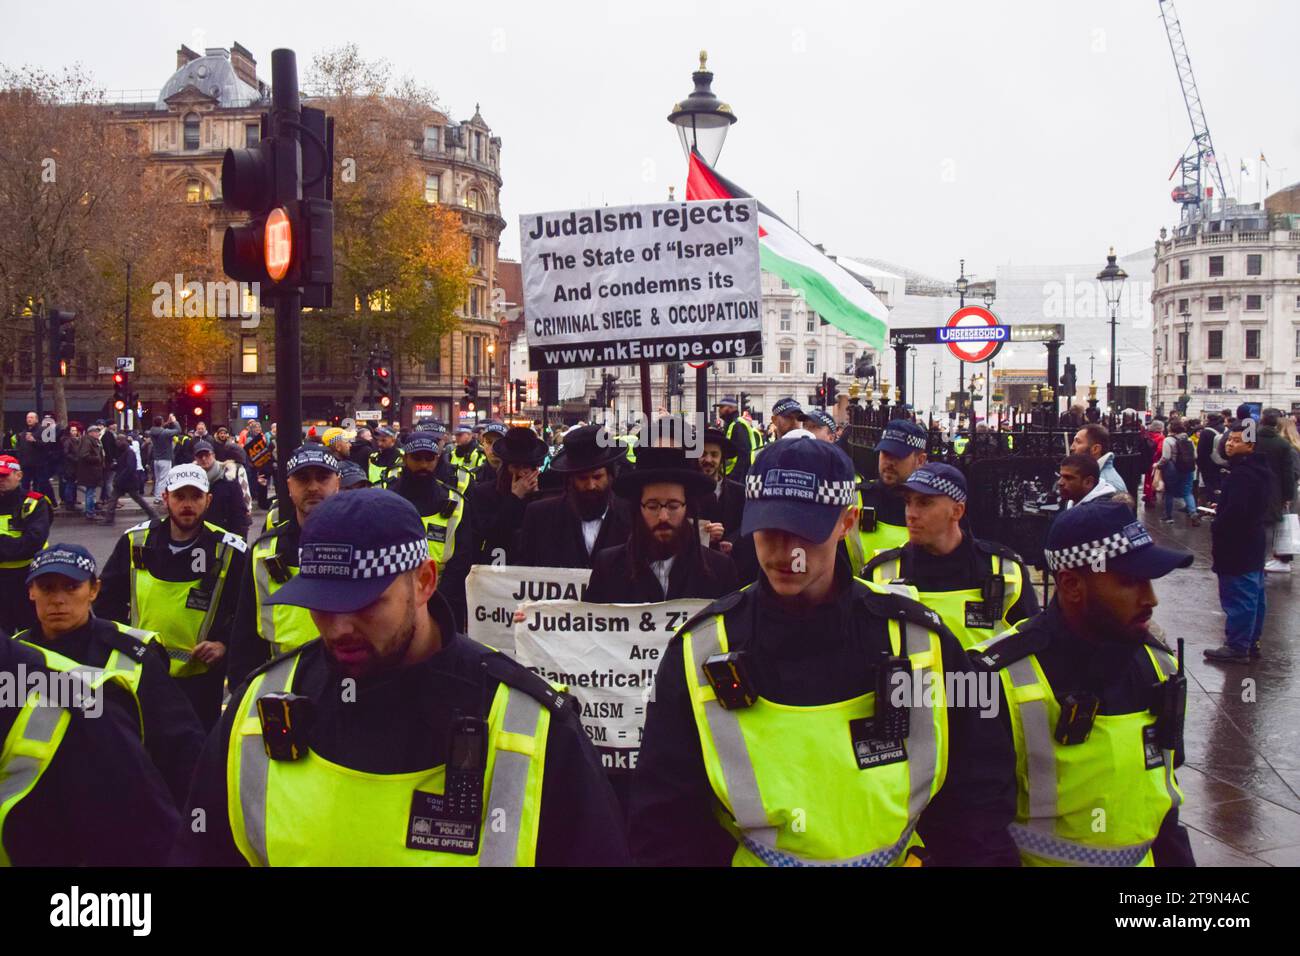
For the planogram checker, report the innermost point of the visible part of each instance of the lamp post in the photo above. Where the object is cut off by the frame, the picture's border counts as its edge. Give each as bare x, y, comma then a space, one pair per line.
1155, 399
962, 285
1112, 279
1185, 398
702, 122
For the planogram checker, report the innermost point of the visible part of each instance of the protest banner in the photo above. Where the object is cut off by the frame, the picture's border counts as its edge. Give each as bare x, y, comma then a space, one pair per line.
493, 592
607, 655
668, 282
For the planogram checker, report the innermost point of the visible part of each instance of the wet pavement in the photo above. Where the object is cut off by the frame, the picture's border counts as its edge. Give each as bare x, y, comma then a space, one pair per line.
1242, 775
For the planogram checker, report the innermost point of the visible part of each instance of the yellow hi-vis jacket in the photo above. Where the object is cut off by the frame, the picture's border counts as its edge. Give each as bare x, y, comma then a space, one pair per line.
283, 626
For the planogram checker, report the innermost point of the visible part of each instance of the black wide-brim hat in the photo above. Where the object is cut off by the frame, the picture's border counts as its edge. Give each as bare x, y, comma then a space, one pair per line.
583, 450
715, 436
520, 446
663, 465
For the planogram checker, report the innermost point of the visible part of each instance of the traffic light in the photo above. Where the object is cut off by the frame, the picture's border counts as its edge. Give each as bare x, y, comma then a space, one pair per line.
121, 391
63, 341
470, 398
288, 243
384, 384
676, 378
831, 391
819, 396
744, 401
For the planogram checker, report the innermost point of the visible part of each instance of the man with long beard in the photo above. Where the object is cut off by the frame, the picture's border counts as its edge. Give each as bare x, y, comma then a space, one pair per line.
663, 559
394, 740
566, 531
724, 508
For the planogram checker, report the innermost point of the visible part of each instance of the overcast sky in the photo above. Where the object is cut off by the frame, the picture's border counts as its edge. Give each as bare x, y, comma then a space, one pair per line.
1027, 131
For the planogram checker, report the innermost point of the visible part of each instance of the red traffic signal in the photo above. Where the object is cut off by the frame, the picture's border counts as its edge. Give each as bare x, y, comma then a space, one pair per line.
382, 371
118, 378
197, 389
384, 401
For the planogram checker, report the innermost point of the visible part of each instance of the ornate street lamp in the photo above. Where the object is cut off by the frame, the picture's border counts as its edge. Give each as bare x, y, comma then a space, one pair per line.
1186, 398
1112, 281
702, 120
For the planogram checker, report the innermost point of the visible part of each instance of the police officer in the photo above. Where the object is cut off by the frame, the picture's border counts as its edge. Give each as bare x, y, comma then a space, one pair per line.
262, 631
445, 513
62, 584
25, 519
787, 415
179, 577
76, 786
351, 476
744, 437
467, 455
882, 518
820, 422
488, 470
980, 588
387, 461
768, 740
1095, 702
405, 743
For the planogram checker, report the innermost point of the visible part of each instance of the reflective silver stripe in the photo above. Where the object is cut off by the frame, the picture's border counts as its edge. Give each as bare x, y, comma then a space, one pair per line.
449, 545
135, 602
1165, 666
20, 773
729, 742
254, 764
43, 722
177, 654
922, 748
262, 583
509, 785
1040, 758
1078, 854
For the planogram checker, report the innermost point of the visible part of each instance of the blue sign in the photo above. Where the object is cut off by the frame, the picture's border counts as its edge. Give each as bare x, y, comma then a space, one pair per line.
250, 410
972, 333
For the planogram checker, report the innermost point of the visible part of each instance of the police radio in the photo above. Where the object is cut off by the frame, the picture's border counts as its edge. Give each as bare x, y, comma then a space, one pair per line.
286, 720
1078, 711
466, 768
867, 519
1170, 707
893, 719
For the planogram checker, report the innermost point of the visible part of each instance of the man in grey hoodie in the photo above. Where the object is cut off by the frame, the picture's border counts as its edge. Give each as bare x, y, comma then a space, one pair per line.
161, 436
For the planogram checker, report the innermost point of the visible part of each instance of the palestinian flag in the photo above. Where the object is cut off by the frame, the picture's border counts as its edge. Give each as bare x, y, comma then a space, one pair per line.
828, 287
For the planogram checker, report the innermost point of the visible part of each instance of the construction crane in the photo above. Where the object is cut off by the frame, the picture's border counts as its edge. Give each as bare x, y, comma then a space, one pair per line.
1199, 160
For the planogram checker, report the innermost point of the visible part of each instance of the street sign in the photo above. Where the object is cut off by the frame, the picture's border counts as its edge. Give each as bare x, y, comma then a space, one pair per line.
974, 326
125, 363
106, 370
368, 414
699, 365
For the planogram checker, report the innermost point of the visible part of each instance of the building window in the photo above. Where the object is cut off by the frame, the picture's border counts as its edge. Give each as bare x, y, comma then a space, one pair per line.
193, 191
1297, 303
1184, 268
474, 200
1252, 343
478, 145
1215, 304
252, 134
1254, 303
1169, 309
1182, 383
849, 361
1254, 264
431, 139
1214, 381
784, 284
731, 367
756, 366
1297, 381
248, 354
191, 130
476, 251
433, 364
1182, 346
811, 325
1183, 306
432, 188
1216, 266
785, 320
1252, 382
1214, 348
1297, 343
784, 367
810, 364
475, 300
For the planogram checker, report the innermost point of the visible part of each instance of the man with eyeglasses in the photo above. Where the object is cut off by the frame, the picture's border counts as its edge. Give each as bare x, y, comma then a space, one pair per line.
663, 558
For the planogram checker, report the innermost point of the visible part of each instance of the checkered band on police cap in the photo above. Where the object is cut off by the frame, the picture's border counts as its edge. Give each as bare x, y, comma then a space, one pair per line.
1132, 537
328, 560
896, 432
64, 557
422, 441
801, 485
943, 485
309, 455
787, 406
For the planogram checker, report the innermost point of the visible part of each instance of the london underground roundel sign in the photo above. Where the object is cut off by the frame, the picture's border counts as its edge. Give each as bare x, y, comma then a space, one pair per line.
973, 334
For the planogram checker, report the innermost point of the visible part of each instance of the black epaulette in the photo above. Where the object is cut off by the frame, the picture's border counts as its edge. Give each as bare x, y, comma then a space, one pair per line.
132, 647
896, 607
517, 677
1159, 645
878, 560
272, 532
275, 660
721, 606
996, 547
1027, 639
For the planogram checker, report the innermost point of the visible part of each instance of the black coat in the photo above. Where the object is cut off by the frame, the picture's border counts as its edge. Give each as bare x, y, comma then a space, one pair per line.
1240, 534
703, 574
728, 509
552, 534
228, 510
497, 520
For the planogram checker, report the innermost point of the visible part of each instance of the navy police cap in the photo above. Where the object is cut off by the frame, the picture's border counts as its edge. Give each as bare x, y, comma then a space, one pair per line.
938, 479
70, 560
1105, 535
798, 485
902, 438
